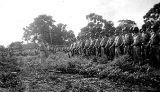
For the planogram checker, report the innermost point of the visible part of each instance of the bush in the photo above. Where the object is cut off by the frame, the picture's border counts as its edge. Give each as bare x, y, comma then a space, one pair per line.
10, 73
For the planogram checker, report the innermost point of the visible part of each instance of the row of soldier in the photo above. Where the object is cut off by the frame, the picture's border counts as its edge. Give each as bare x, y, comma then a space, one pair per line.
141, 45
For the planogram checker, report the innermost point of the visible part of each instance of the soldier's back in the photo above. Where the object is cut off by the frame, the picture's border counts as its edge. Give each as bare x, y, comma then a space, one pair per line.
155, 39
104, 41
118, 40
97, 42
145, 37
137, 40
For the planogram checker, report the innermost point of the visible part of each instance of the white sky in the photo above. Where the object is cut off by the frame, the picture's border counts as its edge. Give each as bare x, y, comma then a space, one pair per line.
16, 14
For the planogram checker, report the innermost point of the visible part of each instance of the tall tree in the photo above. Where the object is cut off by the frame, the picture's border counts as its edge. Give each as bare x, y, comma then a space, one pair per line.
125, 24
43, 30
96, 26
39, 30
152, 16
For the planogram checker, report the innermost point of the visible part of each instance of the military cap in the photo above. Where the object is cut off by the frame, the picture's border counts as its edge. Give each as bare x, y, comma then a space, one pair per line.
136, 29
155, 27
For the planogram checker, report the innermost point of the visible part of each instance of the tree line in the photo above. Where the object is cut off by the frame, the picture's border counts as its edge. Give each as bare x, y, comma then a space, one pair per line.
45, 30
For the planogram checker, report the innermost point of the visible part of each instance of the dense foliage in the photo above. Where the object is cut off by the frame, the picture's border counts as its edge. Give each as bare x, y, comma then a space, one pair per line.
152, 17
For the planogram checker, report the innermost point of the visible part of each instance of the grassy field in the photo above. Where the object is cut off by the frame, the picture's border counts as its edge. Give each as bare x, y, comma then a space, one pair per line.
59, 73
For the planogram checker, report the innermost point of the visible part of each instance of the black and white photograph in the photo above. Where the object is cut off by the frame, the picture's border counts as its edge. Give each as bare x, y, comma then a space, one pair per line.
79, 45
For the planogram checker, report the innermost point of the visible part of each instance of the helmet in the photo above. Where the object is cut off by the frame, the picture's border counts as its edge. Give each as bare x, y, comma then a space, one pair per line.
136, 29
155, 27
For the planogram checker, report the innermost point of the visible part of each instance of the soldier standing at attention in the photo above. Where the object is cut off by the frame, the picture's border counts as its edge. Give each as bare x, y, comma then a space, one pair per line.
136, 45
155, 46
145, 47
79, 48
82, 47
128, 40
75, 47
87, 43
110, 47
97, 46
72, 49
124, 40
103, 43
92, 49
118, 42
88, 49
107, 47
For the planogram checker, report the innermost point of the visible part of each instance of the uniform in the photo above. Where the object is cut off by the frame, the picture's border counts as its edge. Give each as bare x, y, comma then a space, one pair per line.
145, 47
92, 49
77, 47
109, 49
127, 41
97, 46
155, 50
87, 43
72, 49
137, 47
82, 47
103, 43
118, 43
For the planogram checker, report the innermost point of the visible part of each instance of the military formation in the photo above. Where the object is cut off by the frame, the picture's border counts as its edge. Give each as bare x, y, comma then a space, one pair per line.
139, 44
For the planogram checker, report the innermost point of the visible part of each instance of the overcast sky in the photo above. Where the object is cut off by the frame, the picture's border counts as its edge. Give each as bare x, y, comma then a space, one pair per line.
16, 14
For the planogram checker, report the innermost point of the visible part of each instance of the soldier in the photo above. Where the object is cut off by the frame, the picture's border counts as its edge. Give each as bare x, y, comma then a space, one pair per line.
79, 47
103, 43
136, 45
89, 48
71, 49
92, 49
118, 42
87, 43
97, 45
76, 47
154, 46
145, 47
110, 48
128, 40
82, 47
